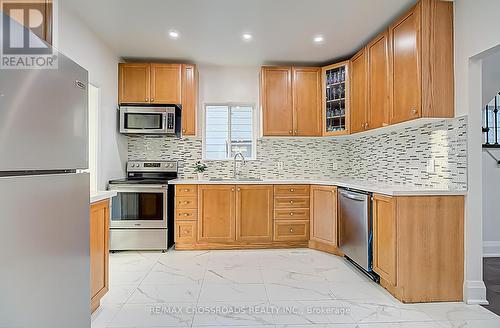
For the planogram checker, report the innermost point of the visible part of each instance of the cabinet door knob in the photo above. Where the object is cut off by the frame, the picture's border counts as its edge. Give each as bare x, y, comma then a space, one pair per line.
239, 189
291, 213
295, 132
146, 99
291, 202
414, 110
232, 189
366, 125
152, 99
291, 132
292, 190
183, 130
291, 229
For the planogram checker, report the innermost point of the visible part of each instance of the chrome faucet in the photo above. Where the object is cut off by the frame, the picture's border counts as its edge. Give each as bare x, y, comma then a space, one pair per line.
235, 173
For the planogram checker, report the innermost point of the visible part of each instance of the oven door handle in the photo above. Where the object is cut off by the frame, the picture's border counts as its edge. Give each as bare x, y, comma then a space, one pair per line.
138, 186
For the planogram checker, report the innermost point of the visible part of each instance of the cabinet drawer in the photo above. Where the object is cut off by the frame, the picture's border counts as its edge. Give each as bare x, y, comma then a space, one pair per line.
291, 190
186, 214
186, 190
185, 232
186, 202
291, 230
291, 202
291, 214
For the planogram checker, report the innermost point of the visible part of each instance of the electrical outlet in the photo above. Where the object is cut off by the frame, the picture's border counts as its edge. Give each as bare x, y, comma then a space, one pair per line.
431, 166
335, 166
280, 166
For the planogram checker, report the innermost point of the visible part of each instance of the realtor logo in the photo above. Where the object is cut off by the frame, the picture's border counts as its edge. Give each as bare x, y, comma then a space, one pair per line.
25, 27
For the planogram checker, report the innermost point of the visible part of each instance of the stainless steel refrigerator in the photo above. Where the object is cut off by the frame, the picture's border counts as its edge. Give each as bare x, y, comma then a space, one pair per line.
44, 202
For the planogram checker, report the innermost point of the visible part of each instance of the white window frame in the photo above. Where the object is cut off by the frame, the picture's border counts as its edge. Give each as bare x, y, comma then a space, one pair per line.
229, 105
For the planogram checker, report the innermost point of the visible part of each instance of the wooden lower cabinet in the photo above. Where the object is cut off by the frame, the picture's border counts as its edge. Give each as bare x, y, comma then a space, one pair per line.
324, 214
419, 247
384, 241
216, 213
241, 216
99, 252
254, 213
291, 230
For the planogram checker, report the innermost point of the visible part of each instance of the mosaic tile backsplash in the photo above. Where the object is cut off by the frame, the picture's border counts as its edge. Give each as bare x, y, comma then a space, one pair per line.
430, 155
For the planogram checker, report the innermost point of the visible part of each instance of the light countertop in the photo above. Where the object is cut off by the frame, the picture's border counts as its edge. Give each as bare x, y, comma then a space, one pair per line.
380, 188
96, 196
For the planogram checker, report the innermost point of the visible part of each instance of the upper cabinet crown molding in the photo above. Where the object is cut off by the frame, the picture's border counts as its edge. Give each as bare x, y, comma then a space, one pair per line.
159, 83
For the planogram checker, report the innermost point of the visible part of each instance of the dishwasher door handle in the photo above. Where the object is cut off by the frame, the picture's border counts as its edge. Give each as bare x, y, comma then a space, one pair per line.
353, 196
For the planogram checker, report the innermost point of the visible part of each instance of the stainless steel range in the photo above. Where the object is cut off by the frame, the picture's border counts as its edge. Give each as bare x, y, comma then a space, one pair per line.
142, 211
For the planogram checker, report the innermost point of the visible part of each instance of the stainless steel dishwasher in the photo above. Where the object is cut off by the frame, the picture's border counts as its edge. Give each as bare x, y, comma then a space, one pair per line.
356, 228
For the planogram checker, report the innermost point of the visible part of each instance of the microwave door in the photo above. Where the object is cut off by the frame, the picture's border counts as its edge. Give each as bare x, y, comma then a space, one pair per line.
133, 122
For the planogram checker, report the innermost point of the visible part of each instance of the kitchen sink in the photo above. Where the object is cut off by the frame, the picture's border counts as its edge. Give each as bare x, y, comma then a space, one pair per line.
236, 179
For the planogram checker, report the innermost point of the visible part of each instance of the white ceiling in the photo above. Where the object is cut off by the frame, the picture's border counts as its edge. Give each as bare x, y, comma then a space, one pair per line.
210, 30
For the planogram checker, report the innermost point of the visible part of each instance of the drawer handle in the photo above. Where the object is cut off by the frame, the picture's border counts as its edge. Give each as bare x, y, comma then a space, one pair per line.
186, 190
291, 213
291, 229
291, 202
292, 190
186, 214
186, 202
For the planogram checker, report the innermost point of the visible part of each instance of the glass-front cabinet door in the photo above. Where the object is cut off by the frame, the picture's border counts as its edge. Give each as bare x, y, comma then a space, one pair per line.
335, 97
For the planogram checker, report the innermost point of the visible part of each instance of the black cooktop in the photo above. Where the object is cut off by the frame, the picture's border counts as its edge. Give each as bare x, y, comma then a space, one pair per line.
140, 181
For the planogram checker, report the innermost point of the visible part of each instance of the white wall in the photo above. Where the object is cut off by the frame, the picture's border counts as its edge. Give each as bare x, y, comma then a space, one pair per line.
491, 205
228, 84
77, 41
490, 76
476, 31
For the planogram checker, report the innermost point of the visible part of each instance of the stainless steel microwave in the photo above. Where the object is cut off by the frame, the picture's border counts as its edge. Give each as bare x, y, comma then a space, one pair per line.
150, 120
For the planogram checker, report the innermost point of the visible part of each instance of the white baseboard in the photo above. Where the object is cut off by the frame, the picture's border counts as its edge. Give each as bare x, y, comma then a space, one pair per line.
491, 248
475, 292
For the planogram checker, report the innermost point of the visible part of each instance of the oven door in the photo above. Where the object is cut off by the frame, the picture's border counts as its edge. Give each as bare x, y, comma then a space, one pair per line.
139, 206
143, 121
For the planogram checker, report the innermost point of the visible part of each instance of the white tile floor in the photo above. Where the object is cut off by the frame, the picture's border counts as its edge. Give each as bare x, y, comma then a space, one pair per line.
264, 288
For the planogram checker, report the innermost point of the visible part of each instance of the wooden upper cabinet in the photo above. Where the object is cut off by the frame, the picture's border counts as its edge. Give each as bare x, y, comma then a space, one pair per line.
378, 81
421, 62
166, 85
254, 213
216, 213
189, 99
99, 250
134, 83
324, 214
277, 108
306, 101
405, 63
358, 86
384, 237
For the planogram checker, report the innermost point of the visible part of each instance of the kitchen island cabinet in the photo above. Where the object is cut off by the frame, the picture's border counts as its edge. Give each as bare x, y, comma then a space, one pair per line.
418, 247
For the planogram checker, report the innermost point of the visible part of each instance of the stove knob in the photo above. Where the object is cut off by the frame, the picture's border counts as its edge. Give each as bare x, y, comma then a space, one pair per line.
132, 165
